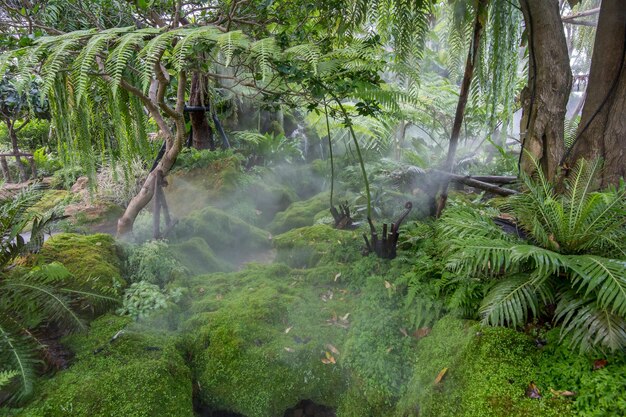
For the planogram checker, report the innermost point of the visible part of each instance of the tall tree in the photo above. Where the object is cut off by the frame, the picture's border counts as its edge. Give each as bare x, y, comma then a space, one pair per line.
549, 83
602, 129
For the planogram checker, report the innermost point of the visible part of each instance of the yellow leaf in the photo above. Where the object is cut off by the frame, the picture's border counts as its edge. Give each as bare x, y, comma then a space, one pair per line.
440, 376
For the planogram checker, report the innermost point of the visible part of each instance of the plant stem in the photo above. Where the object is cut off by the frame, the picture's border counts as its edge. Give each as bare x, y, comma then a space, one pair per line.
330, 150
348, 123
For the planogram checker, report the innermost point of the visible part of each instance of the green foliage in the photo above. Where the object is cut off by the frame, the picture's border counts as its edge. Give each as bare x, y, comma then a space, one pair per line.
16, 215
134, 373
65, 177
598, 392
47, 294
268, 149
6, 377
142, 299
576, 234
191, 158
153, 262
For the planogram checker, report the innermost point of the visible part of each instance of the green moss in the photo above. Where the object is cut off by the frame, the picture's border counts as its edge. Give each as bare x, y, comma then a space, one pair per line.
299, 214
246, 360
316, 245
198, 257
51, 199
227, 235
488, 371
598, 392
136, 375
96, 258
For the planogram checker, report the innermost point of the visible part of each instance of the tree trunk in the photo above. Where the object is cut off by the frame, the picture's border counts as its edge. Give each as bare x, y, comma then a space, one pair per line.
545, 97
602, 129
472, 54
16, 151
202, 134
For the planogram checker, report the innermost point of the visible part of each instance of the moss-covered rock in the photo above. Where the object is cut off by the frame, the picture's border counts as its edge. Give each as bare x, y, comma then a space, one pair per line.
315, 245
263, 337
227, 235
198, 257
487, 373
94, 258
138, 374
299, 214
51, 199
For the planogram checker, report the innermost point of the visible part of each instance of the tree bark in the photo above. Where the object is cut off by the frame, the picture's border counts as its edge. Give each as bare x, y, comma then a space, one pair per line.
460, 108
602, 128
174, 144
202, 133
16, 151
545, 97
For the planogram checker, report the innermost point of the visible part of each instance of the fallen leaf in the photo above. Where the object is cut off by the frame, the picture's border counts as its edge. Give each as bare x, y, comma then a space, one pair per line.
337, 276
332, 348
562, 393
421, 332
345, 318
388, 284
440, 376
201, 290
325, 361
599, 364
219, 297
404, 332
532, 391
288, 329
290, 350
389, 349
330, 357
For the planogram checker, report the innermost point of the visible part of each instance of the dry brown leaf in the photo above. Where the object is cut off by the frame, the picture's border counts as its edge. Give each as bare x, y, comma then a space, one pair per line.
565, 393
337, 276
330, 357
440, 376
388, 284
599, 364
532, 391
332, 348
345, 318
421, 332
404, 332
325, 361
288, 329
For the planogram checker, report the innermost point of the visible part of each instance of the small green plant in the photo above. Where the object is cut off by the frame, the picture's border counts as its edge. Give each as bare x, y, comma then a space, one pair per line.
268, 149
142, 299
65, 177
574, 258
153, 262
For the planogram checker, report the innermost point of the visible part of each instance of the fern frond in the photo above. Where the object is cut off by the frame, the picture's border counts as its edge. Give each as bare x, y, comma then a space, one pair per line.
602, 277
17, 353
589, 326
510, 300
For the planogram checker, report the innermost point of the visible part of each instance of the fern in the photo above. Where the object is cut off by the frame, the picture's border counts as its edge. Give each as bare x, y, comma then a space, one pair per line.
577, 257
6, 377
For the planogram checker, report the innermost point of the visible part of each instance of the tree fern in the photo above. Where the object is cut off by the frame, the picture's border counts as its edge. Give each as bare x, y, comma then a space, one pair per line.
18, 352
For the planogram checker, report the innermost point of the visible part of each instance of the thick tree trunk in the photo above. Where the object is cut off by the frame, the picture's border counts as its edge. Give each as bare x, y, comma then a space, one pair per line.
602, 129
202, 134
549, 83
472, 54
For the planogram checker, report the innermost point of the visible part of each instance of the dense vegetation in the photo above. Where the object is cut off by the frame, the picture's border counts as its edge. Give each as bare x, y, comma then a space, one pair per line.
320, 208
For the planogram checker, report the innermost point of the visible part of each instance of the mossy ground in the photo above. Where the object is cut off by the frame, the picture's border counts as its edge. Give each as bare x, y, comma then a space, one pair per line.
138, 374
321, 323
